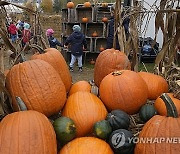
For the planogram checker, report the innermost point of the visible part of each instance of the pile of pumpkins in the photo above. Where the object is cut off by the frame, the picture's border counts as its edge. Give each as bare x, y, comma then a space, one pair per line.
90, 123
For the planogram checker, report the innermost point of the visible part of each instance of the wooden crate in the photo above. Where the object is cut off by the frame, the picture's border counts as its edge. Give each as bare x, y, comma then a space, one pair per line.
93, 45
67, 28
103, 12
98, 43
64, 15
68, 15
89, 44
92, 27
83, 12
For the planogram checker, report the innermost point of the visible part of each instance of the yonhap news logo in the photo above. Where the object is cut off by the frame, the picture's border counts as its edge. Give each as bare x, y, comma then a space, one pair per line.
119, 139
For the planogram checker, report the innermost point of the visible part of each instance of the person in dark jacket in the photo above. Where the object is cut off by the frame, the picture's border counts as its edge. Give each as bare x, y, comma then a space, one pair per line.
110, 37
53, 42
77, 43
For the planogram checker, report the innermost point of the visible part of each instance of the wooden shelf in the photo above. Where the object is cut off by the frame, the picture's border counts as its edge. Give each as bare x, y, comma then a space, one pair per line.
95, 15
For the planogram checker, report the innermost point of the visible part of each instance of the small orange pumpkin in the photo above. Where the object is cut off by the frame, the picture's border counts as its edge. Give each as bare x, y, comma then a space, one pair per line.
70, 5
80, 86
86, 145
85, 20
104, 4
161, 108
87, 4
92, 62
85, 109
156, 84
94, 34
101, 48
104, 19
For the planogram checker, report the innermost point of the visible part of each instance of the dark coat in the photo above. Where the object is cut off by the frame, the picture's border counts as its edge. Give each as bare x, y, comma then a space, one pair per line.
110, 37
111, 32
76, 40
53, 42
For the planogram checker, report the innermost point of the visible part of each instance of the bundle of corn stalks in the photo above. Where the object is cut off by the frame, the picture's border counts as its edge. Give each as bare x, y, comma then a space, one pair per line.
167, 62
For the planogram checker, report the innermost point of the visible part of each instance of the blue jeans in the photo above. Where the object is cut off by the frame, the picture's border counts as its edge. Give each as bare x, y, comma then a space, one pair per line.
13, 37
73, 60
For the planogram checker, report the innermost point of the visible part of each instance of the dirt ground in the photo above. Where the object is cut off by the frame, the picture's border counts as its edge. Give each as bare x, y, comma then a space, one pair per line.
86, 75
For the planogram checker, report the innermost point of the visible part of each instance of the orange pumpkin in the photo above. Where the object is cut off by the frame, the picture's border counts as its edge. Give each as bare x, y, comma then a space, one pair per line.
70, 5
156, 84
124, 90
101, 48
86, 145
108, 61
104, 19
94, 34
104, 4
80, 86
85, 109
92, 62
85, 20
87, 4
161, 108
38, 84
27, 132
162, 131
55, 58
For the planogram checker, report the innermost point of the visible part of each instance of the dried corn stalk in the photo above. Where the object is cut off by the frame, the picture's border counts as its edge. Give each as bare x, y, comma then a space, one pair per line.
166, 62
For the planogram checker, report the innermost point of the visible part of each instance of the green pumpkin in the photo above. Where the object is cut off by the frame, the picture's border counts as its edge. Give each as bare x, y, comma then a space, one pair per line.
146, 112
118, 119
121, 141
65, 129
102, 129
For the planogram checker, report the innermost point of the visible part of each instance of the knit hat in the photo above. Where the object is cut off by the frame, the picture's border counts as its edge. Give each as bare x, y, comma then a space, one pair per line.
26, 26
76, 28
49, 32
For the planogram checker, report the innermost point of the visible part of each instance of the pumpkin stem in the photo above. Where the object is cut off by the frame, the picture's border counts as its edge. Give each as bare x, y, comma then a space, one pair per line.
171, 108
21, 104
116, 73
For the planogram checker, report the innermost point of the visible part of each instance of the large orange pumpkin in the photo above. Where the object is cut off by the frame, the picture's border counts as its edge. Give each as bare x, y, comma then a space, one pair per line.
160, 132
156, 84
108, 61
80, 86
85, 109
124, 90
86, 145
27, 132
70, 5
161, 108
38, 84
55, 58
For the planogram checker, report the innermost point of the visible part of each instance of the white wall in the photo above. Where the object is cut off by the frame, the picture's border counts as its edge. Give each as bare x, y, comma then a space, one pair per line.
151, 27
